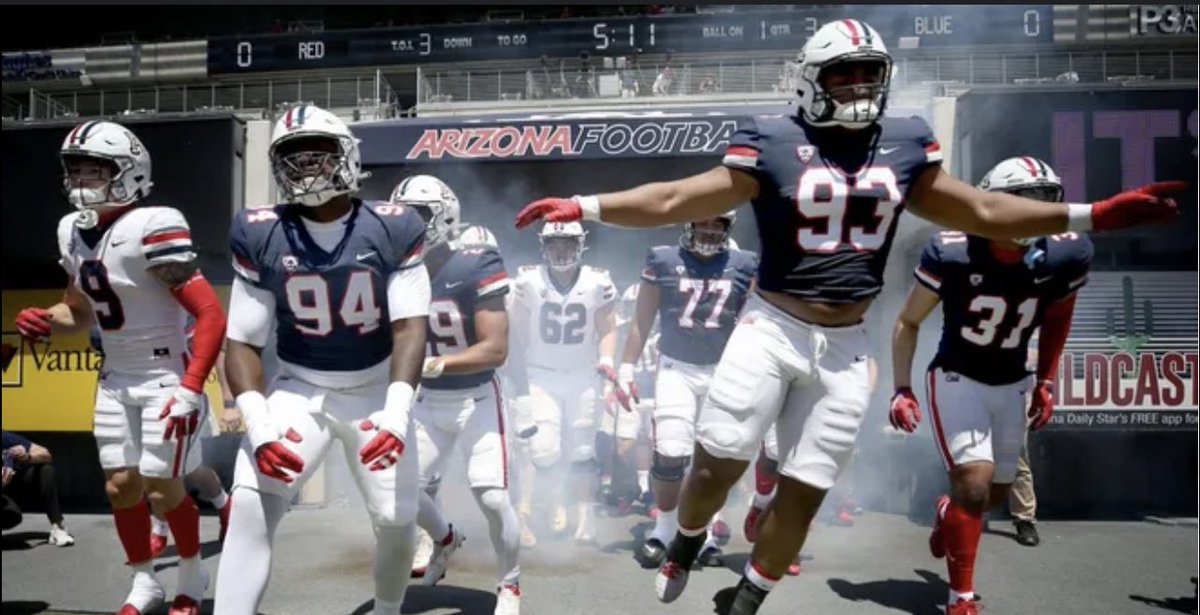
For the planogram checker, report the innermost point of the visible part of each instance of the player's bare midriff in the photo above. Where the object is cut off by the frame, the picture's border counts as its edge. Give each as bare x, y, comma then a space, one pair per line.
824, 314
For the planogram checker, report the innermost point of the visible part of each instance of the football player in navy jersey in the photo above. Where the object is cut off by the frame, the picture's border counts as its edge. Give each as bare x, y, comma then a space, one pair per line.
994, 294
460, 405
696, 289
344, 284
826, 185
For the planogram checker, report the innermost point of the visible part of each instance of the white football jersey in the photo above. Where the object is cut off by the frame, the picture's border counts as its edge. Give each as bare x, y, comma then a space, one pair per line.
562, 333
142, 325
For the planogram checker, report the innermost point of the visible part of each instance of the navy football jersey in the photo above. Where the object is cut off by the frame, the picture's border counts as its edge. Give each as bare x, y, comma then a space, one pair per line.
828, 200
989, 308
699, 300
470, 277
331, 308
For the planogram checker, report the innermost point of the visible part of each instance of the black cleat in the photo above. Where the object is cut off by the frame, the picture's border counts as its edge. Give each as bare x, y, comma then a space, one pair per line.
654, 552
746, 600
1027, 533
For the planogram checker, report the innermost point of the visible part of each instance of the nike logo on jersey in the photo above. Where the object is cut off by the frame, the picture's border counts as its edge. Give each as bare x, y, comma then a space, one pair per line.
884, 151
453, 284
1045, 279
117, 242
365, 255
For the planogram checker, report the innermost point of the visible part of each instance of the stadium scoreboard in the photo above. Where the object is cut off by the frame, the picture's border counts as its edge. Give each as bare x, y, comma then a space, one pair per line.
777, 30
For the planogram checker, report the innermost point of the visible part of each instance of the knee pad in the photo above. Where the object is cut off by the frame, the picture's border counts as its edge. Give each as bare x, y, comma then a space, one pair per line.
668, 469
545, 449
493, 499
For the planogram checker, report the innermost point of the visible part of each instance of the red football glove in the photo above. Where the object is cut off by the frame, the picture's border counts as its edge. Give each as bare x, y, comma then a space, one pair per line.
1146, 205
905, 413
384, 450
552, 209
274, 458
1042, 406
34, 324
623, 394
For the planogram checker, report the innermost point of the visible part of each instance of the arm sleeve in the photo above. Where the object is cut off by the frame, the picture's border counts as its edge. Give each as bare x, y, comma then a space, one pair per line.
932, 269
408, 293
493, 278
744, 151
251, 312
166, 238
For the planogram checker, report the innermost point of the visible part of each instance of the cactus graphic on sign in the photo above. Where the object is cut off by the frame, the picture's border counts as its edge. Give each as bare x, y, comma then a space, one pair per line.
1129, 340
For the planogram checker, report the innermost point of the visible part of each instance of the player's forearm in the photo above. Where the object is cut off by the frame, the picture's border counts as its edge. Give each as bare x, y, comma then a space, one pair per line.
1004, 216
243, 368
904, 346
608, 346
408, 350
635, 342
480, 357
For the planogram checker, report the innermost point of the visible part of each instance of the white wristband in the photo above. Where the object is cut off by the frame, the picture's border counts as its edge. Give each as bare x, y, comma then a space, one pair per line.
605, 362
590, 206
626, 372
1079, 216
399, 398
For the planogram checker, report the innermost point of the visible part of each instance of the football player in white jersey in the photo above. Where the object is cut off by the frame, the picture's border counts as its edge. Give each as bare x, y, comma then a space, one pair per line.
132, 270
564, 318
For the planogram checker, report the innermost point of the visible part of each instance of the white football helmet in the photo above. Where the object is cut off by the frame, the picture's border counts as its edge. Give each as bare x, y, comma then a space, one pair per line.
435, 201
563, 244
837, 43
707, 242
1027, 177
117, 146
477, 236
311, 175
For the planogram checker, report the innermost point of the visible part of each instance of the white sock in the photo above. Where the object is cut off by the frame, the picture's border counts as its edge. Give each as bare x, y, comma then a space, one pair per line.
219, 501
643, 481
505, 531
759, 579
956, 596
246, 556
159, 526
193, 578
394, 547
666, 525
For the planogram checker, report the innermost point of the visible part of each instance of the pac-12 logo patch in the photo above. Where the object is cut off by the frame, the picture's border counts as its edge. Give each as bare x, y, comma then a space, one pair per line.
805, 153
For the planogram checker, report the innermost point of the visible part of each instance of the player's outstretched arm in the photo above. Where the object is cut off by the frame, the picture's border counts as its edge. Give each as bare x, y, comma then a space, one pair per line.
491, 349
701, 196
73, 313
940, 198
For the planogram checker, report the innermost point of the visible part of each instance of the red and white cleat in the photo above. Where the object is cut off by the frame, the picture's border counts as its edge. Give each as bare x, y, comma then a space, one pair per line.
964, 607
721, 532
794, 567
158, 544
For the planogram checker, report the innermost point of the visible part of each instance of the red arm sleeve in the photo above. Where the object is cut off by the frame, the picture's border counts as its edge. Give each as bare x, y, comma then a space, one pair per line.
1053, 337
200, 300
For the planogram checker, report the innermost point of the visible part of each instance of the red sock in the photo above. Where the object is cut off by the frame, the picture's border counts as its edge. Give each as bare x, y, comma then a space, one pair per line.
961, 530
133, 528
185, 527
764, 478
